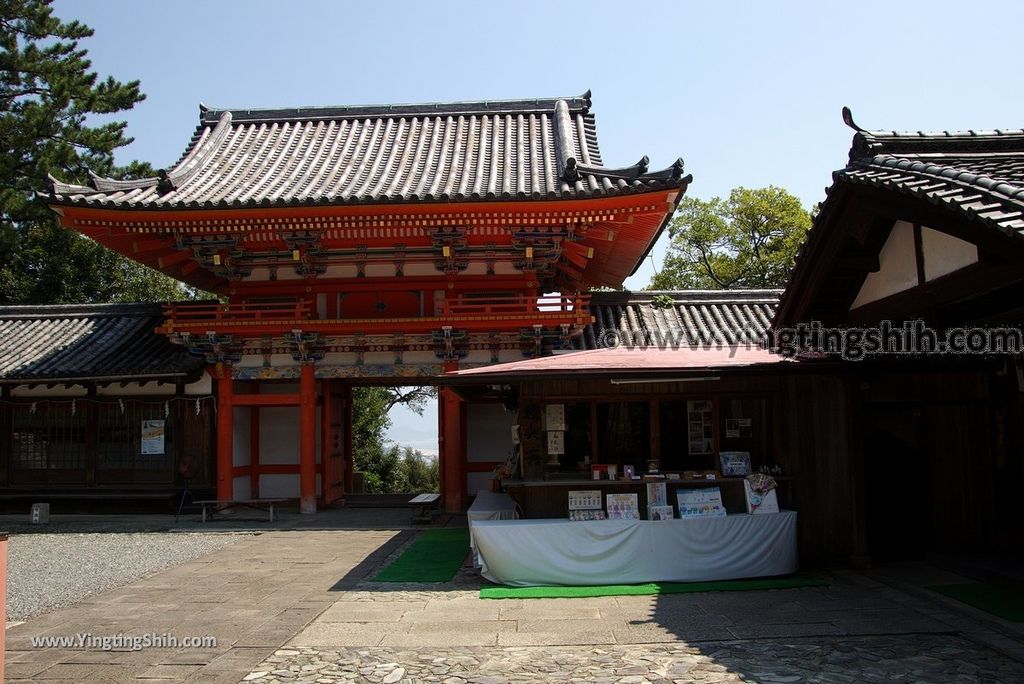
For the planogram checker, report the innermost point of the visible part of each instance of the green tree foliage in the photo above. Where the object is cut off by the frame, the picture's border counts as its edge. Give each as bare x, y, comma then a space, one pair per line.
417, 473
49, 102
388, 468
748, 240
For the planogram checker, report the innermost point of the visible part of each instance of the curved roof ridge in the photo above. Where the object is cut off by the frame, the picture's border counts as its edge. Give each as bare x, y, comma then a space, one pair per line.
870, 142
526, 105
83, 310
198, 152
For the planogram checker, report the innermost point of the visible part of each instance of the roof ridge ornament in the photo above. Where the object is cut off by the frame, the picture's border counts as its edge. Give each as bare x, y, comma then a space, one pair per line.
565, 146
587, 101
848, 120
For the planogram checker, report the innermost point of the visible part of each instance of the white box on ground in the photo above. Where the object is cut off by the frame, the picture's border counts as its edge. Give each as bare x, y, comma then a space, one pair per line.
40, 513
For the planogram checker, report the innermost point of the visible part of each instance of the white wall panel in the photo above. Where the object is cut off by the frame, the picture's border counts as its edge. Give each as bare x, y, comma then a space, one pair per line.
488, 432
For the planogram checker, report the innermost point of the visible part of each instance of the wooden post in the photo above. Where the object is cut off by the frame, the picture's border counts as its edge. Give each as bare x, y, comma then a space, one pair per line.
346, 437
6, 433
453, 460
254, 446
3, 601
225, 432
92, 456
307, 440
326, 440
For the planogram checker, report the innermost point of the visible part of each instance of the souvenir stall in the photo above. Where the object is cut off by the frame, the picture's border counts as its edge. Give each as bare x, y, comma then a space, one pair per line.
623, 478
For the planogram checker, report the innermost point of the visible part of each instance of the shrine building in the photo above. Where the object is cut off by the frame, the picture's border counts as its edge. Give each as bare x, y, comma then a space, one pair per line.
374, 245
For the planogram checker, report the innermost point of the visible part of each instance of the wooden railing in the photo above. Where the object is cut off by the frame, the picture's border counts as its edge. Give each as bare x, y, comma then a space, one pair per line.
474, 306
196, 312
273, 318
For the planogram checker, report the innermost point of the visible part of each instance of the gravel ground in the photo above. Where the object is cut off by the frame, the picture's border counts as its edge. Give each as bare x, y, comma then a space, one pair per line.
49, 571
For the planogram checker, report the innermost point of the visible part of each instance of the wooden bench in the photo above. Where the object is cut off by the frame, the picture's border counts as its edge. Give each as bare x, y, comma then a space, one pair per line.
424, 506
255, 504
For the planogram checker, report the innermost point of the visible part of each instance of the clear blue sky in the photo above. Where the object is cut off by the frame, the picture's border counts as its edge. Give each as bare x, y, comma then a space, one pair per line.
747, 94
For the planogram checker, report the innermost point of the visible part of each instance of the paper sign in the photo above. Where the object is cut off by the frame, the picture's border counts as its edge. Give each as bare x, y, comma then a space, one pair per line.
661, 513
623, 507
656, 495
735, 463
554, 417
556, 443
700, 503
584, 499
152, 437
761, 503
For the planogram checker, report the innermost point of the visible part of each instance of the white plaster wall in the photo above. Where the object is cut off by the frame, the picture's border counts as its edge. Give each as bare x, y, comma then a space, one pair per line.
488, 432
282, 486
202, 386
60, 391
279, 435
240, 490
897, 267
380, 270
420, 357
478, 356
420, 269
505, 268
506, 355
944, 253
242, 455
341, 271
378, 358
476, 482
151, 389
251, 360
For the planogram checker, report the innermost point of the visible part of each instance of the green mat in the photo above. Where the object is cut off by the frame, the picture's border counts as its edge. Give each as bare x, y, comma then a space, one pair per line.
503, 592
435, 557
1005, 601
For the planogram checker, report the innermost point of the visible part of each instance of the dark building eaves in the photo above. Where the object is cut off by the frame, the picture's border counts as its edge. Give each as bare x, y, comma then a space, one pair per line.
63, 344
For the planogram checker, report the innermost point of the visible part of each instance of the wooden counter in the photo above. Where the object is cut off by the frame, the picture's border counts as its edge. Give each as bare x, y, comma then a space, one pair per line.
550, 498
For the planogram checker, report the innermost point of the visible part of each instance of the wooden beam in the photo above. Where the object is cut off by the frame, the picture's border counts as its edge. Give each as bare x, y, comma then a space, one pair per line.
268, 399
175, 258
960, 286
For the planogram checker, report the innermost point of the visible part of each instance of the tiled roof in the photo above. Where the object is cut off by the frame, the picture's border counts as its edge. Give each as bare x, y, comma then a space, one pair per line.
977, 173
465, 151
83, 342
715, 317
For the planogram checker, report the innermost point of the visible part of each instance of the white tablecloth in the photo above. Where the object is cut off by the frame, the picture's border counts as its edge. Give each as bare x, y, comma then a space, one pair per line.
561, 552
491, 506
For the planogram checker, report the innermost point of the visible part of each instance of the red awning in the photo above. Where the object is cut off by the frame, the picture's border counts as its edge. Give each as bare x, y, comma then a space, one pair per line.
625, 360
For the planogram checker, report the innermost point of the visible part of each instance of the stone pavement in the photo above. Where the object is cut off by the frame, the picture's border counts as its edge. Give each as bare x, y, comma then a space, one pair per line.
860, 628
253, 596
296, 606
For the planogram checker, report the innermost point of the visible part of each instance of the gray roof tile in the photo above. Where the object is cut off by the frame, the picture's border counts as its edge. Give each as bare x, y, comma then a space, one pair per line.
699, 317
463, 151
977, 174
88, 342
973, 172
